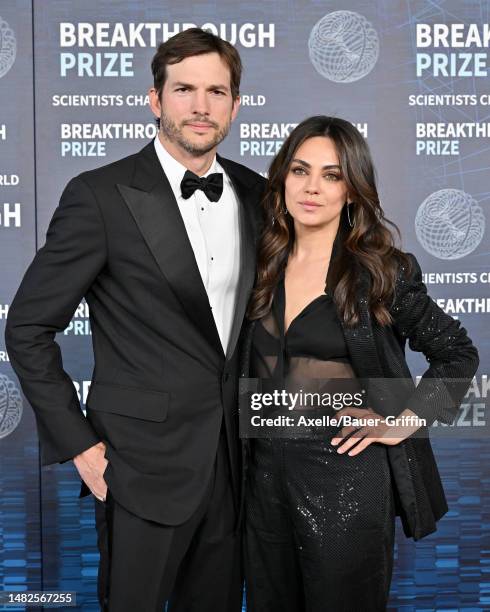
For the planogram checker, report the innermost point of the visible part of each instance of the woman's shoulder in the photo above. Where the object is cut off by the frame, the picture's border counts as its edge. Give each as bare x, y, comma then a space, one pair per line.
397, 265
407, 266
409, 288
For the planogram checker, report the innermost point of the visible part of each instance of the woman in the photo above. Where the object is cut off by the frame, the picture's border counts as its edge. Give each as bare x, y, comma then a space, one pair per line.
335, 298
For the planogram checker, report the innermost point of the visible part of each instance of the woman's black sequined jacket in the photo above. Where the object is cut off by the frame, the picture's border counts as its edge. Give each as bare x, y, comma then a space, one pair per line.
378, 352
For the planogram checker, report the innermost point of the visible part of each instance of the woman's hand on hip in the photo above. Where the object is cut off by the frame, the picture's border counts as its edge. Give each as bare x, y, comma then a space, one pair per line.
376, 429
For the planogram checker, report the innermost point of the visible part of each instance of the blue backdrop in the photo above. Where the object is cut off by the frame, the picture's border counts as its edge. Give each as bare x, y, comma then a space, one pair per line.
411, 74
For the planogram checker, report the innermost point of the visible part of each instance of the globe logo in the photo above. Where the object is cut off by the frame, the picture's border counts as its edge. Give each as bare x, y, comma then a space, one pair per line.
449, 224
343, 46
10, 406
8, 47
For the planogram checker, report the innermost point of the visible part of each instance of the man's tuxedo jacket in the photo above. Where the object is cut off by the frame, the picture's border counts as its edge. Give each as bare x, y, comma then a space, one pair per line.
161, 384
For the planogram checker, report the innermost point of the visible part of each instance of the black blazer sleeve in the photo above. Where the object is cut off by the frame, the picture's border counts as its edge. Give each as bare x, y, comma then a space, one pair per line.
452, 356
53, 286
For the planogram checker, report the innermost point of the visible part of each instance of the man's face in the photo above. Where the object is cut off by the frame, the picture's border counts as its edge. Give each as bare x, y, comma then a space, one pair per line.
196, 106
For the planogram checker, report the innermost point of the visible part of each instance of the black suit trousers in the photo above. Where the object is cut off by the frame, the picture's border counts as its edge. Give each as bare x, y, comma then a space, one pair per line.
193, 566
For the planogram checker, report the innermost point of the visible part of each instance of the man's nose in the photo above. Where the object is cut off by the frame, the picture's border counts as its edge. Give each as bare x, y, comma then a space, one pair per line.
200, 102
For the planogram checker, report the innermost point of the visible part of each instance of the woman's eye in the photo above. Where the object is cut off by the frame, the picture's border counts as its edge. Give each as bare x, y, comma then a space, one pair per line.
329, 177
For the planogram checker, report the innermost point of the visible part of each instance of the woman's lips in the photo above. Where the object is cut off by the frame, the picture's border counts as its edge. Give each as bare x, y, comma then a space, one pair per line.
310, 206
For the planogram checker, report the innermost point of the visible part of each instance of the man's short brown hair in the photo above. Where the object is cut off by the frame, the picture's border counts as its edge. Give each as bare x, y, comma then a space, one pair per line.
195, 41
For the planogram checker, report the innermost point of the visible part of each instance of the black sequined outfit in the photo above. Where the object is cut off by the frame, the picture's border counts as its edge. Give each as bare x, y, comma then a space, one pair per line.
319, 524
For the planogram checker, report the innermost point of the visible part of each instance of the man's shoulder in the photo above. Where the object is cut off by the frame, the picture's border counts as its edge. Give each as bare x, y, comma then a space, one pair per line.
118, 171
247, 175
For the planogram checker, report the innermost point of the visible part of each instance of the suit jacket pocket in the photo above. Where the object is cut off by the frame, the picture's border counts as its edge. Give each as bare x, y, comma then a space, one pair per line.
134, 402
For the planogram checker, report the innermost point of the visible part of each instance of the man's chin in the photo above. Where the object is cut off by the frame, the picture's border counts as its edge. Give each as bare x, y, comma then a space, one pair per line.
199, 146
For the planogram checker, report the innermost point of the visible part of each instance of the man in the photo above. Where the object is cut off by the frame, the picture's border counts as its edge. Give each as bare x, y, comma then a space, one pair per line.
162, 246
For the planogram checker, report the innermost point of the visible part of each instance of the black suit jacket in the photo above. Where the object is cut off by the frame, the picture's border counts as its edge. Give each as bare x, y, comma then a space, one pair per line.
161, 384
378, 353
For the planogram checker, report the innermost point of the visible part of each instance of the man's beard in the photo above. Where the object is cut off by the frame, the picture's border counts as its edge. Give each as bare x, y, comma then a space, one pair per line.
174, 134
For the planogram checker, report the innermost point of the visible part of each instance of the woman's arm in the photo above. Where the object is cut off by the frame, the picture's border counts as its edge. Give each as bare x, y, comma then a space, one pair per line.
452, 357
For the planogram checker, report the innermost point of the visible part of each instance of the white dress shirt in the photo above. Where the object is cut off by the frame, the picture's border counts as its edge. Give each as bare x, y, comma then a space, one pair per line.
213, 231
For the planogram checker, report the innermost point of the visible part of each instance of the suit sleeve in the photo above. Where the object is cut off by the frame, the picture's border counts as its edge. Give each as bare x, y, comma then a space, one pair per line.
452, 357
52, 287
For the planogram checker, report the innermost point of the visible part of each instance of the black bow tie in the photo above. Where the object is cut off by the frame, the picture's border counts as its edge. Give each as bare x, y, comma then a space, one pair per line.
212, 185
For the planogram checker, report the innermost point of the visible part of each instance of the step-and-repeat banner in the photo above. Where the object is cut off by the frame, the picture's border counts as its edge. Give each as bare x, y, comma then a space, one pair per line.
412, 75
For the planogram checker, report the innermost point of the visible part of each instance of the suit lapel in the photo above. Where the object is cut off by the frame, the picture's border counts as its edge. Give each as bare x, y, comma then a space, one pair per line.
151, 202
363, 352
248, 233
360, 339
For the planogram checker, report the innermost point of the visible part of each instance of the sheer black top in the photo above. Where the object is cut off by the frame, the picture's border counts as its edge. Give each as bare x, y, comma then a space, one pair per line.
314, 342
309, 355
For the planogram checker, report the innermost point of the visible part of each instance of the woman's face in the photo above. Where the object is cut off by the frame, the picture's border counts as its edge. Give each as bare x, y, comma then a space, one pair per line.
314, 188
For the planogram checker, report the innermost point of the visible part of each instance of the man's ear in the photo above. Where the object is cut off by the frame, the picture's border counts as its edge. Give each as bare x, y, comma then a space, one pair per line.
155, 104
236, 106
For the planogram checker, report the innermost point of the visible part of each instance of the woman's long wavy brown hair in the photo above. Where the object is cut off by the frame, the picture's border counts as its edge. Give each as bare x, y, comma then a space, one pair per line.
368, 245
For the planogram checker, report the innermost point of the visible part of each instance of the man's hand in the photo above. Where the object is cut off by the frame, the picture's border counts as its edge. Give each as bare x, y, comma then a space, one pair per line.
91, 465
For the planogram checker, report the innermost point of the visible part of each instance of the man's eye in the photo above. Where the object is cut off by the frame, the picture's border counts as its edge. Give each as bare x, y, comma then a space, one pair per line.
182, 89
218, 91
